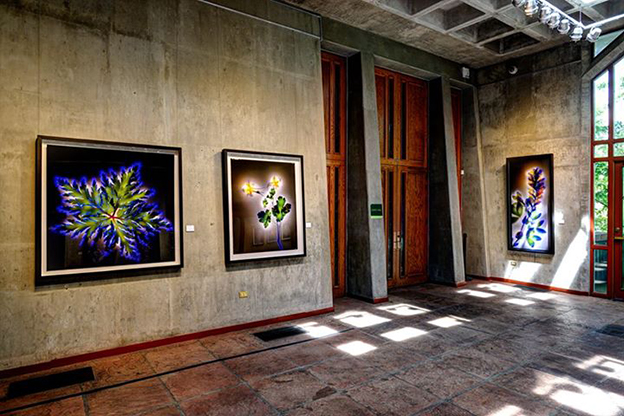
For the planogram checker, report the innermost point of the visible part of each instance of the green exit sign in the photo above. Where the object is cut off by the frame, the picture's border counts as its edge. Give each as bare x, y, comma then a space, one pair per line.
376, 211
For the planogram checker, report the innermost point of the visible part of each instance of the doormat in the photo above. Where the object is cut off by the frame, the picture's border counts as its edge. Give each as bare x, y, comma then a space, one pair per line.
613, 330
50, 382
277, 333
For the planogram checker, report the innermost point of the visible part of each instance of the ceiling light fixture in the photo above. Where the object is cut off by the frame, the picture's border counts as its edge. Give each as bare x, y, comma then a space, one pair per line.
562, 22
554, 20
564, 27
594, 34
531, 7
545, 14
577, 34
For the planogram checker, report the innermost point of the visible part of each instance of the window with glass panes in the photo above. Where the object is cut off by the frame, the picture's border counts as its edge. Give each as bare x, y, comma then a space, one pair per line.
607, 149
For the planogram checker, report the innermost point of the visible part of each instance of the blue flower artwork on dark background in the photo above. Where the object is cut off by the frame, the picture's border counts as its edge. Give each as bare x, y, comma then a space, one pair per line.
532, 227
530, 193
110, 213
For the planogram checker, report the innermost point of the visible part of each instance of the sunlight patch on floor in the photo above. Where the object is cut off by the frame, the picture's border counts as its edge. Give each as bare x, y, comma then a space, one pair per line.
476, 293
356, 348
317, 331
403, 334
360, 319
448, 321
404, 309
520, 302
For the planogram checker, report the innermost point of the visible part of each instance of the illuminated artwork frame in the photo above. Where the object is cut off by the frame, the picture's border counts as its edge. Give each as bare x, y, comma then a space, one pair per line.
106, 209
263, 206
530, 204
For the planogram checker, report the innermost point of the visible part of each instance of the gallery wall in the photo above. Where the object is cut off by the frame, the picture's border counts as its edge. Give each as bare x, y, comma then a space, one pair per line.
537, 111
166, 73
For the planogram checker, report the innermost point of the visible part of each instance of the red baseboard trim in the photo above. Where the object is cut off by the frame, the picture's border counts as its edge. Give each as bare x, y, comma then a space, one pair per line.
60, 362
529, 284
380, 300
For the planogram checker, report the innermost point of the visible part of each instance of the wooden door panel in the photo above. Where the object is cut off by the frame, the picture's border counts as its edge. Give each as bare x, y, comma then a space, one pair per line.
402, 116
334, 101
416, 123
416, 223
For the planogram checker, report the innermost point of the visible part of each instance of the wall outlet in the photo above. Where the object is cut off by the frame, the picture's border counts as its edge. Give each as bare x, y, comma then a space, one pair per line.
243, 294
513, 263
308, 225
190, 228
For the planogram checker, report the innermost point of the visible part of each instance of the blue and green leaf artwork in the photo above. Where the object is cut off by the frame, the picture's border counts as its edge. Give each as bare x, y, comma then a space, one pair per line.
274, 207
529, 210
111, 213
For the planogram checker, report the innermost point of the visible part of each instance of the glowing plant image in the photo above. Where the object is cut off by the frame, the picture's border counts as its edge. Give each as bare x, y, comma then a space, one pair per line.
110, 213
274, 208
529, 209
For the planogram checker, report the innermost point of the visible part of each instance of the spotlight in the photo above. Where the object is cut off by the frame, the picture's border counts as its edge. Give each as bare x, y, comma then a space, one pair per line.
553, 22
577, 34
593, 34
531, 7
518, 3
564, 26
545, 14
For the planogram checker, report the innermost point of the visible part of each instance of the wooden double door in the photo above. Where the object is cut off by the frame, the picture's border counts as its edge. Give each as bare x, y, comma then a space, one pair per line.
402, 104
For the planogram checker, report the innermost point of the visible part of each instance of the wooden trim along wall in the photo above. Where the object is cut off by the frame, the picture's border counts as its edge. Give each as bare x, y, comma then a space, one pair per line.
60, 362
529, 284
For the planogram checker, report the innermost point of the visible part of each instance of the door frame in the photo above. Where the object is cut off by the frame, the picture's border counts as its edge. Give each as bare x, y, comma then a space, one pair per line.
612, 162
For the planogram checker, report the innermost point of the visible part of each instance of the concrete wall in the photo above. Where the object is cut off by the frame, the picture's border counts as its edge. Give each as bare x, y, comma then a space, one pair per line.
540, 110
158, 72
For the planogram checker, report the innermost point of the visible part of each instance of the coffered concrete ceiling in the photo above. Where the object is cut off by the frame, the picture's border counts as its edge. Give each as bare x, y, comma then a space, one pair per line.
476, 33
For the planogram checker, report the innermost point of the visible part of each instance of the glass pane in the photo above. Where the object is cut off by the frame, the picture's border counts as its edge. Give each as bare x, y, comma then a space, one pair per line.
601, 107
618, 149
403, 122
390, 232
337, 132
601, 202
403, 208
600, 271
337, 226
618, 109
601, 150
604, 41
391, 118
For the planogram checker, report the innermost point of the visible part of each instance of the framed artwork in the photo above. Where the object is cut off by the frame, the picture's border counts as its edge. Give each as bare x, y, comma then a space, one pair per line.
263, 206
105, 207
530, 204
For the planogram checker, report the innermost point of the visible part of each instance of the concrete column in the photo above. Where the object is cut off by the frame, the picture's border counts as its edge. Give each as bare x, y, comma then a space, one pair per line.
446, 260
473, 188
366, 261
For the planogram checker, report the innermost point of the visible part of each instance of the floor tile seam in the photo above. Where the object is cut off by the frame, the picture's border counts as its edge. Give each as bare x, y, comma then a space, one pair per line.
85, 405
376, 412
480, 381
257, 394
449, 402
155, 375
533, 399
168, 390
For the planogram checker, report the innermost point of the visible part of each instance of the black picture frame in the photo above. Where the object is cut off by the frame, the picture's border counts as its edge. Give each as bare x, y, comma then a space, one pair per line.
44, 276
516, 166
231, 257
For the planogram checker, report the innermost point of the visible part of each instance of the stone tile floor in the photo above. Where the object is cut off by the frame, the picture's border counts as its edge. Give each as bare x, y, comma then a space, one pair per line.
485, 349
